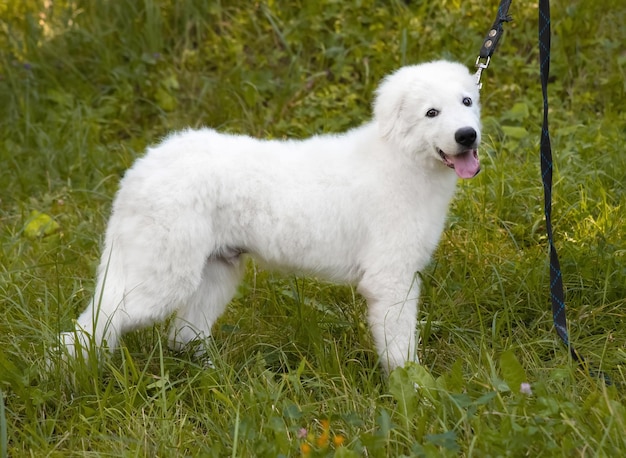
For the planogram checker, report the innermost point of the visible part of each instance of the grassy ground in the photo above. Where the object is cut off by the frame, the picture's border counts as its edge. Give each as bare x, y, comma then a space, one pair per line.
86, 85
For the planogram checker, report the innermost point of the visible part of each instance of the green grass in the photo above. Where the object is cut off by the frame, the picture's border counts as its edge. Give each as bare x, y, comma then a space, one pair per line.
86, 85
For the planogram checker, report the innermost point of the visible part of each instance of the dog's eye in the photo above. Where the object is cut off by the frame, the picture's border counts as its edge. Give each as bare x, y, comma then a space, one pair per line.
467, 102
432, 113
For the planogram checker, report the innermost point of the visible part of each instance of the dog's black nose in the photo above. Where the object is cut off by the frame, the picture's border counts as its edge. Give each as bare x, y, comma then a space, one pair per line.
465, 136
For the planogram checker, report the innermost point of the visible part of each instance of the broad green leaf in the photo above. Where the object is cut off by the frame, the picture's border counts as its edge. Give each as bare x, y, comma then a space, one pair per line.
403, 390
519, 111
515, 132
512, 371
446, 440
423, 380
453, 379
40, 225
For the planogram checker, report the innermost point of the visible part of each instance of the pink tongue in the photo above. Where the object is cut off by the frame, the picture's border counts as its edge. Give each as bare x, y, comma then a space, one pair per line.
466, 165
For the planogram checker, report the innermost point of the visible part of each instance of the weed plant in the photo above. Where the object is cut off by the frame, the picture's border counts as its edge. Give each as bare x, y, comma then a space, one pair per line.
86, 85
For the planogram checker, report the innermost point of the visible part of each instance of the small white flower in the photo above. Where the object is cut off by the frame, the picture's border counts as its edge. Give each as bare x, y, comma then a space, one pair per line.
525, 389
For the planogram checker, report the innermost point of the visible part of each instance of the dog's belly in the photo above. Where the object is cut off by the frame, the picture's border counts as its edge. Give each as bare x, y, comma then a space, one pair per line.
305, 242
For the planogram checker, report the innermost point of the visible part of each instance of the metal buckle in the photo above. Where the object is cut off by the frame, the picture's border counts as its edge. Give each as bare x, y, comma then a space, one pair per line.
480, 66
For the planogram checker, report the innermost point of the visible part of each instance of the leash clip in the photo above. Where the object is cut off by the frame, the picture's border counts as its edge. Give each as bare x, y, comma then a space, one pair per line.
480, 66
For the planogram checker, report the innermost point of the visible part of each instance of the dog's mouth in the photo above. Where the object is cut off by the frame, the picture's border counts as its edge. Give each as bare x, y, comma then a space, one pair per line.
465, 164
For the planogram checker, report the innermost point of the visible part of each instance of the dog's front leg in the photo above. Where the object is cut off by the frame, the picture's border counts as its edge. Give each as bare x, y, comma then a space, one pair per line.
392, 317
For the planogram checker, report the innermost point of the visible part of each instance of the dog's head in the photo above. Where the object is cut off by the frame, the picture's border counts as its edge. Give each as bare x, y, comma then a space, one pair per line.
432, 111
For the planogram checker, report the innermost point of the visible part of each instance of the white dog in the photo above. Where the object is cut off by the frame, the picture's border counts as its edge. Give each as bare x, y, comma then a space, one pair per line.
366, 207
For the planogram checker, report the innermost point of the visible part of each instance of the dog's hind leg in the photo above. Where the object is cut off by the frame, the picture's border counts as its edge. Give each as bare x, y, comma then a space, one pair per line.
144, 275
194, 319
97, 324
126, 298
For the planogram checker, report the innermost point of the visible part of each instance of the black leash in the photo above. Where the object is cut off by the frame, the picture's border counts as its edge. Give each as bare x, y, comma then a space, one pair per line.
491, 39
556, 278
557, 293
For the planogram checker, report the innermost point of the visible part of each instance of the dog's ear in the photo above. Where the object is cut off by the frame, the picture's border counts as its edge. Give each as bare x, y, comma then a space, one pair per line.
388, 107
392, 102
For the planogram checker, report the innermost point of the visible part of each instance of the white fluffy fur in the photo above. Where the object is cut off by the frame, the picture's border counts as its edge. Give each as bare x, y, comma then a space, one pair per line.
365, 207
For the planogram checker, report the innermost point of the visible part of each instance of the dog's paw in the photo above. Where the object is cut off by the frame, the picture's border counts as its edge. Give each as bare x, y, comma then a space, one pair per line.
197, 348
207, 363
69, 346
74, 344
